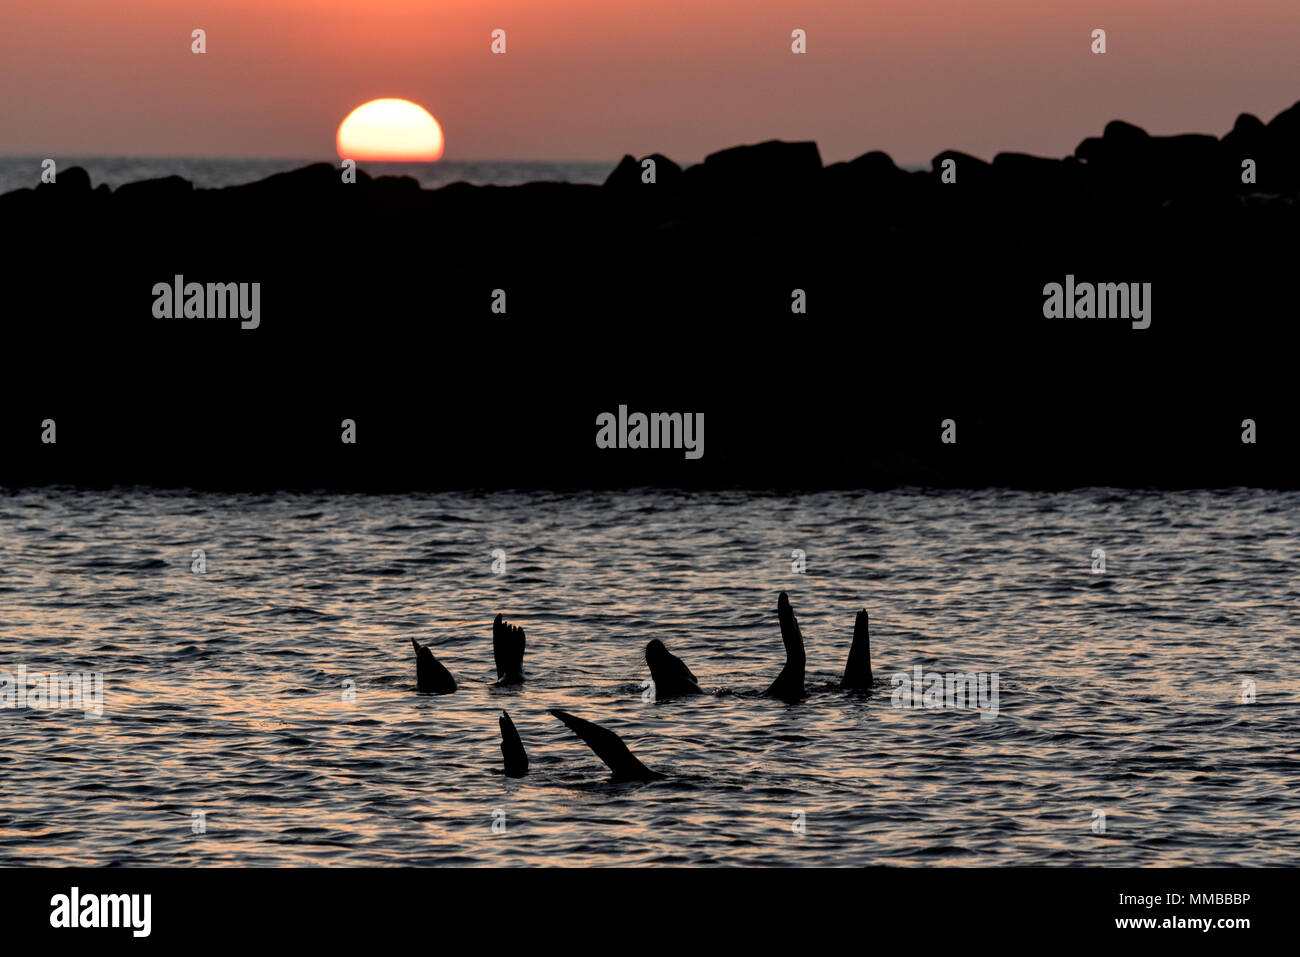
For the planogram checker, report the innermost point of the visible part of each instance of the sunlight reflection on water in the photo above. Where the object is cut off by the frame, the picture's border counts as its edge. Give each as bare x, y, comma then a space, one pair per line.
225, 691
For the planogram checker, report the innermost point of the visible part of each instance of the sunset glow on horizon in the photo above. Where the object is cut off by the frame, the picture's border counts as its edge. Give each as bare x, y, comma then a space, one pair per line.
390, 130
583, 80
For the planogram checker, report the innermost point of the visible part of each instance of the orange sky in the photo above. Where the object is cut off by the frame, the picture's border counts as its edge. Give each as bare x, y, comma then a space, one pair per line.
593, 79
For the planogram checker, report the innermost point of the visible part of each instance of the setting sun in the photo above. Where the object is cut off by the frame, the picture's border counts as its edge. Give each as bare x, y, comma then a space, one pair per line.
390, 130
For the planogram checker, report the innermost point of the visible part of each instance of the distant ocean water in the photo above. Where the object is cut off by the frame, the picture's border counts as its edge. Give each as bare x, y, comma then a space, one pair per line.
17, 172
225, 692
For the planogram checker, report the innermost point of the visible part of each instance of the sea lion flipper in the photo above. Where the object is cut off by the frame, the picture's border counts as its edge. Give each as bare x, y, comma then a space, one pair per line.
512, 748
788, 685
857, 670
508, 643
430, 674
791, 636
609, 747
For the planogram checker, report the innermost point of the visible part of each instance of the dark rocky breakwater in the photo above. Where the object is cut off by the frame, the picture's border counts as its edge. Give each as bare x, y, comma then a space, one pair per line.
826, 320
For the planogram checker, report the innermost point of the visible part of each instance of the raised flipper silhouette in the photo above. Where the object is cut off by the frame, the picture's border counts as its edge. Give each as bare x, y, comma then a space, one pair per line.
857, 670
512, 749
430, 675
788, 685
508, 649
610, 748
669, 673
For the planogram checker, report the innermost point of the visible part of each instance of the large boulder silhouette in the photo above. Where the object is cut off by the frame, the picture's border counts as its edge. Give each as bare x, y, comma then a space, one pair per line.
627, 175
1248, 140
765, 163
162, 190
871, 183
74, 179
969, 170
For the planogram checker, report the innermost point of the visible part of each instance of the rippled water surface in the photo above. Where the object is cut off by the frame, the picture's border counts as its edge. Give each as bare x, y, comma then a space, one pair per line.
226, 692
21, 172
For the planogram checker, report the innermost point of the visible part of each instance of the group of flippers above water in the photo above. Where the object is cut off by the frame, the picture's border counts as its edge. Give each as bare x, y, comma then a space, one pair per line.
671, 677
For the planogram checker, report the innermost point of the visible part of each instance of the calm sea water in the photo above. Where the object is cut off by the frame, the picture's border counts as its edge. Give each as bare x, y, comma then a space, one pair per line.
17, 172
224, 691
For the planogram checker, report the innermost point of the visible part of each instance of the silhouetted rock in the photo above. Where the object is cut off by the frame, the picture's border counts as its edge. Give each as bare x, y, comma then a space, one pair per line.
1249, 140
154, 190
306, 181
871, 183
1128, 165
16, 202
1189, 161
962, 185
396, 185
873, 167
924, 300
667, 173
1285, 127
1120, 144
629, 174
1248, 132
1282, 171
772, 164
68, 193
1035, 172
969, 170
874, 170
653, 205
74, 179
1121, 135
626, 174
745, 183
1026, 180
